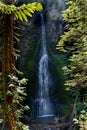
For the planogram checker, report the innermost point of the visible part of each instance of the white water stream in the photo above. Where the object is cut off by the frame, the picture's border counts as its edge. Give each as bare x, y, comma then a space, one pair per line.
45, 106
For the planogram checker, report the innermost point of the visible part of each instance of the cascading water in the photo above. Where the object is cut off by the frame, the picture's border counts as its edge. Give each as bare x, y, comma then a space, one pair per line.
45, 107
46, 102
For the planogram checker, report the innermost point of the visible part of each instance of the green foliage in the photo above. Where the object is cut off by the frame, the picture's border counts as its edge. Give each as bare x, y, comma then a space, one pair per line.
74, 41
33, 57
22, 12
59, 61
18, 93
32, 52
13, 90
81, 120
27, 10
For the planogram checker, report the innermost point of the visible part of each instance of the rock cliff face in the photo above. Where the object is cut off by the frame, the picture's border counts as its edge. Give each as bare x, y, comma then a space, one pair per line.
55, 8
28, 45
54, 22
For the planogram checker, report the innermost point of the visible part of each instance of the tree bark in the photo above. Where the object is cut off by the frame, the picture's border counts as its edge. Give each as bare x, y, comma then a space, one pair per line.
8, 60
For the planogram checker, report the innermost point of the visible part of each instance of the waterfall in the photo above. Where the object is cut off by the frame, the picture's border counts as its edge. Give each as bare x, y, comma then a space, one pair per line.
45, 107
45, 102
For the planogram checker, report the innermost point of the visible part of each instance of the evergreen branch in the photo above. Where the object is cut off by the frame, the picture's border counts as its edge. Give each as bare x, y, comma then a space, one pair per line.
21, 12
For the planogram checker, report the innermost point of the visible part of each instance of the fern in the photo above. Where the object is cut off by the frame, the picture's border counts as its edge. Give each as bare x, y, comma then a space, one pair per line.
19, 16
30, 10
27, 10
23, 15
23, 12
27, 13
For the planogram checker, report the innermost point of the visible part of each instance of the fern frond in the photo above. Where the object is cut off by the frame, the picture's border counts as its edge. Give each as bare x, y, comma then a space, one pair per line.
26, 10
30, 10
21, 12
19, 16
16, 15
27, 13
23, 15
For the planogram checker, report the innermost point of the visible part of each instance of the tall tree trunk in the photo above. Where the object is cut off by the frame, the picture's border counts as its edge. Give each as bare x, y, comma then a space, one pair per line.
8, 61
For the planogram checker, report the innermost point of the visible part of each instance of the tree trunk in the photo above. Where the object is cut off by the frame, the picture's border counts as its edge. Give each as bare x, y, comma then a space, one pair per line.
7, 49
8, 60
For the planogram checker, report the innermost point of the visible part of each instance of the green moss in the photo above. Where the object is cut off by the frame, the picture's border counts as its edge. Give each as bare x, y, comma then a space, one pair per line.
29, 51
60, 60
65, 110
33, 58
